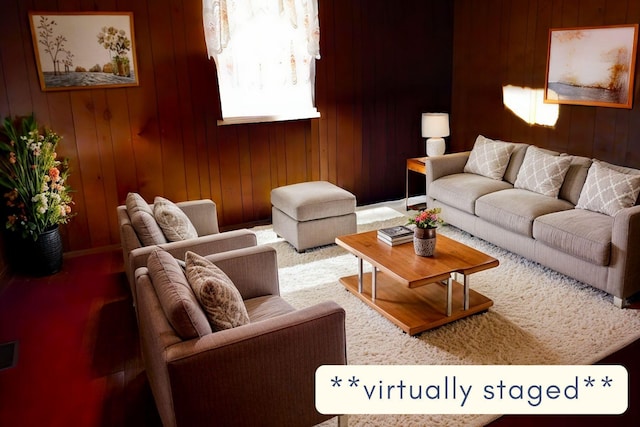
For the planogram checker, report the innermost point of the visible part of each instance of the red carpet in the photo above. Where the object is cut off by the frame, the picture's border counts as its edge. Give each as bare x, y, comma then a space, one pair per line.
77, 348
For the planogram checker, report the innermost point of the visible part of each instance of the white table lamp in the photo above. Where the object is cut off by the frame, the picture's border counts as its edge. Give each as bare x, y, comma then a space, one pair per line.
435, 126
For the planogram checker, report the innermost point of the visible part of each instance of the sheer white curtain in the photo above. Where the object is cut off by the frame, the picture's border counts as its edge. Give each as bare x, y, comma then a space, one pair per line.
265, 52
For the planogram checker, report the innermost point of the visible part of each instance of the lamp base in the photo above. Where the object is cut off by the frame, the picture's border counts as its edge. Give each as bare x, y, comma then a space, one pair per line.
435, 147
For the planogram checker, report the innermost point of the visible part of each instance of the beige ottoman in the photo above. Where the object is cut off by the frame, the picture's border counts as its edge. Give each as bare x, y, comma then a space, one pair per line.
312, 214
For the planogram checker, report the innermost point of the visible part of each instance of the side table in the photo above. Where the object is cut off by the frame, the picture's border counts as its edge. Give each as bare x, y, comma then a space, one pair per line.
415, 164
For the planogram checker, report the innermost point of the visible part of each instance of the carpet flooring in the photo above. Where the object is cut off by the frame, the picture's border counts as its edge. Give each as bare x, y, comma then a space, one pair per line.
539, 317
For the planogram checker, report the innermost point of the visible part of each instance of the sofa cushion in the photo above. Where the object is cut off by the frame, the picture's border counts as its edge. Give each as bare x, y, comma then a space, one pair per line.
542, 172
147, 229
461, 190
266, 307
489, 158
515, 209
574, 179
608, 190
581, 233
178, 301
215, 291
172, 220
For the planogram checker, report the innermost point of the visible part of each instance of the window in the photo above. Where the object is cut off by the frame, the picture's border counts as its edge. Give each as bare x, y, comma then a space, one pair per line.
265, 52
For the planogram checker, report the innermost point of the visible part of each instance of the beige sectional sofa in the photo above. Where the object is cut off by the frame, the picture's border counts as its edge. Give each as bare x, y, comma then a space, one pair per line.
575, 215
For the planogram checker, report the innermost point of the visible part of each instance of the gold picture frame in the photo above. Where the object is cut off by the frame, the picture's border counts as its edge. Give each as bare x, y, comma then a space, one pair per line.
592, 66
84, 50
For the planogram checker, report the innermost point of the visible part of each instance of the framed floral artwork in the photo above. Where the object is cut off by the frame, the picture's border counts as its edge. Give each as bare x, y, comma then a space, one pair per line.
84, 50
592, 66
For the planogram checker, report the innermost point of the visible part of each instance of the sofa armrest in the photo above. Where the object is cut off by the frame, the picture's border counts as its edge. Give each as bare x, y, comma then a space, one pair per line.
202, 214
266, 366
439, 166
253, 270
624, 278
204, 245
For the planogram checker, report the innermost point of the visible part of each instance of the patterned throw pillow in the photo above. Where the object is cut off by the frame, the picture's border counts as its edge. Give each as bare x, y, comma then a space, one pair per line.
216, 292
172, 220
542, 172
489, 158
607, 190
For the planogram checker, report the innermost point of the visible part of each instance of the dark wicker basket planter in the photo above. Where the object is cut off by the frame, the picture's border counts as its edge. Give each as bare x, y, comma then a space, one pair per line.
42, 257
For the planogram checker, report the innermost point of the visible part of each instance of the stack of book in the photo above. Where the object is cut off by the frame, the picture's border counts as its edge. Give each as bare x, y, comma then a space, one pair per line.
395, 235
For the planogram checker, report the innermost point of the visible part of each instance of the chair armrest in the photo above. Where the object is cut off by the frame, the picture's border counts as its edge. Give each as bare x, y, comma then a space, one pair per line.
624, 279
128, 237
202, 214
253, 270
266, 366
128, 240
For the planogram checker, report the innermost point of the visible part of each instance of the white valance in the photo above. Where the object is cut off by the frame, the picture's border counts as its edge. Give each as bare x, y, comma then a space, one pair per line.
265, 52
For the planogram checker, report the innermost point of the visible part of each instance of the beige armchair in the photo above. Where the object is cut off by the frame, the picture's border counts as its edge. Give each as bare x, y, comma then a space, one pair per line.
261, 373
203, 216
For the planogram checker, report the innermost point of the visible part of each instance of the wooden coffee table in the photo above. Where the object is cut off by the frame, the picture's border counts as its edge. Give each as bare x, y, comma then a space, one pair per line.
416, 293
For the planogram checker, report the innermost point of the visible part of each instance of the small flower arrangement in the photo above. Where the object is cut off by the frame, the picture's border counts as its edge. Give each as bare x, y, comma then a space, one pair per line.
32, 180
116, 42
427, 218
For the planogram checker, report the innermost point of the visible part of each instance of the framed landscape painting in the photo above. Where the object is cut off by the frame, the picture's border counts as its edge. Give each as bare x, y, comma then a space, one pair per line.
592, 66
84, 50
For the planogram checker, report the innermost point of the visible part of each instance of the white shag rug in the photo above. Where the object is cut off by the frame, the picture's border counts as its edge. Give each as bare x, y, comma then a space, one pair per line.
539, 317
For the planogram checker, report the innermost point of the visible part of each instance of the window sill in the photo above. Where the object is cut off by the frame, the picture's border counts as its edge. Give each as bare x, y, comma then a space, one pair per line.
265, 119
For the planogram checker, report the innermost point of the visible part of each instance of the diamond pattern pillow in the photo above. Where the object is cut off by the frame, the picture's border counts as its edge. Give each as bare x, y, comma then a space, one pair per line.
216, 293
172, 220
607, 190
489, 158
542, 172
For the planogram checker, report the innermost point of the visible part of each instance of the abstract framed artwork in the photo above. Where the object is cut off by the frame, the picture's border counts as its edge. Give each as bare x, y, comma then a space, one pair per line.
592, 66
84, 50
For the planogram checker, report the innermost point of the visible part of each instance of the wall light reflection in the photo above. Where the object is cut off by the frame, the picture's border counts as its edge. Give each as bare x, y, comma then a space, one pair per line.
528, 104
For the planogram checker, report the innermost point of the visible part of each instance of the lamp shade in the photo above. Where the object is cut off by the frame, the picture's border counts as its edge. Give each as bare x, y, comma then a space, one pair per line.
435, 125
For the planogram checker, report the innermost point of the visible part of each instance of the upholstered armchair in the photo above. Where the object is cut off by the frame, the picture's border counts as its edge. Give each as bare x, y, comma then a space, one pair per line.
259, 373
140, 233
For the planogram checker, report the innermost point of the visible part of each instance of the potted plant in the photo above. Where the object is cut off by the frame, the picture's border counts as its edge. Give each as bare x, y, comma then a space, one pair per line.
424, 237
36, 195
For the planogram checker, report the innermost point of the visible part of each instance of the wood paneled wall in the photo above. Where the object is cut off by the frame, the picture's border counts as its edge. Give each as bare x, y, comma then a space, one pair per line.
505, 42
382, 65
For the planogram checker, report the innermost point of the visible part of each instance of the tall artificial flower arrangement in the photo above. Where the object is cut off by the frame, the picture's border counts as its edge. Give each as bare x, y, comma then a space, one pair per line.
33, 180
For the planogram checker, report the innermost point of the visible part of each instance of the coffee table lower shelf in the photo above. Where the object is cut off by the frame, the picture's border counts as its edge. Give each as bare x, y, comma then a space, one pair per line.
419, 309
